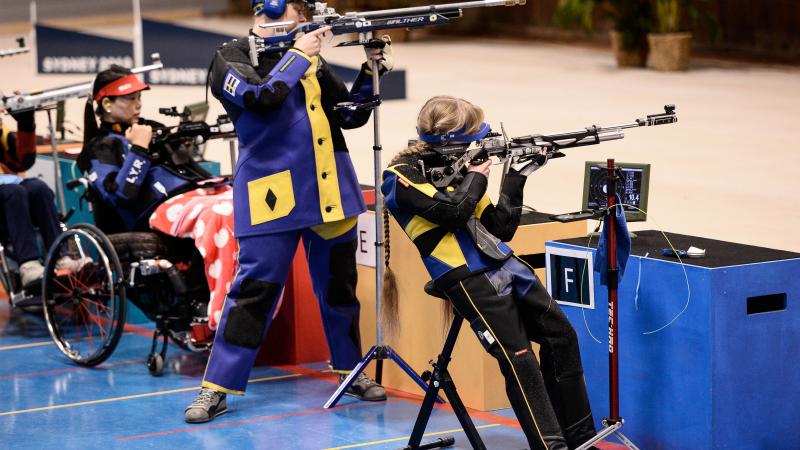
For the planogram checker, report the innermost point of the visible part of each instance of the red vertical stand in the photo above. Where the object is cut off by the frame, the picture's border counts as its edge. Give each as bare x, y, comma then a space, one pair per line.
613, 284
613, 422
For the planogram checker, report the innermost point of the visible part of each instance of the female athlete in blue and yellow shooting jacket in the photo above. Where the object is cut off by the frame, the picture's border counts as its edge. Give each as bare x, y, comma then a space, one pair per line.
294, 179
460, 235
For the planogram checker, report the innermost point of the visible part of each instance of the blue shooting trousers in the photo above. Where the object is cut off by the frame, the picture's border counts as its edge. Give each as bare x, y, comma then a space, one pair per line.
252, 302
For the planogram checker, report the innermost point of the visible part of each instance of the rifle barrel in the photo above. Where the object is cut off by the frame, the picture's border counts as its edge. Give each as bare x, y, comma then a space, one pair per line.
448, 7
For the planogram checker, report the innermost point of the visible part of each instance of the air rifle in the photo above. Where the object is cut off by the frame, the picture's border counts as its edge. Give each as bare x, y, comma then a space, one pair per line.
184, 139
15, 51
49, 98
195, 132
363, 23
442, 163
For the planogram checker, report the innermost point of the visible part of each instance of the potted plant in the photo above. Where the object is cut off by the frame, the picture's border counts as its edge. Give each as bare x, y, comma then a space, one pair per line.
670, 43
631, 23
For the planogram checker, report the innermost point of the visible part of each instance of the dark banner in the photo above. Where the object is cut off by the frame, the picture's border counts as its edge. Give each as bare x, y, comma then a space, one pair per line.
65, 51
185, 52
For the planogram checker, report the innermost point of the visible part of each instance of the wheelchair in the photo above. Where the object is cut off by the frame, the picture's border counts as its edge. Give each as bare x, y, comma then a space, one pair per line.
85, 309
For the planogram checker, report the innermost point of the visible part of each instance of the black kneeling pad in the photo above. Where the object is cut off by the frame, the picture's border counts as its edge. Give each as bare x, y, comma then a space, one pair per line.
248, 318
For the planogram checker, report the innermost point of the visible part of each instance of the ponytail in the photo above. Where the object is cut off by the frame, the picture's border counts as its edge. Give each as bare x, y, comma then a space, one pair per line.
89, 122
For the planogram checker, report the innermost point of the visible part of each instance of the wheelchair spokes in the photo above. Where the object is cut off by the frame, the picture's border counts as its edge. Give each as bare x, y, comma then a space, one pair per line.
84, 298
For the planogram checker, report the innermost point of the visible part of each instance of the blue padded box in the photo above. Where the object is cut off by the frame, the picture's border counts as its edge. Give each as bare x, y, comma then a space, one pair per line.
726, 373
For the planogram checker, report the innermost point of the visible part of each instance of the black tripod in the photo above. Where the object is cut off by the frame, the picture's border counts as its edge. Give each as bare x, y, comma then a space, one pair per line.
440, 379
379, 351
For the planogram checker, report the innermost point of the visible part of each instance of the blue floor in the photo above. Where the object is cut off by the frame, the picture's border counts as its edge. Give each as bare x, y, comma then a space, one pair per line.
49, 403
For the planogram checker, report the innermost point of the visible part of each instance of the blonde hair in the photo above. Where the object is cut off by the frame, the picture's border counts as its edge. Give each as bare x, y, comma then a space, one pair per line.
439, 115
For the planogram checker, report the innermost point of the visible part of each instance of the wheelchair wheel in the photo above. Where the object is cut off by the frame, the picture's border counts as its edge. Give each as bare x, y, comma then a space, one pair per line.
83, 294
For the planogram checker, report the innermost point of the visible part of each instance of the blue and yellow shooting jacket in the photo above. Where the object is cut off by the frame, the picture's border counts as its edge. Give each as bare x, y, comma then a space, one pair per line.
458, 231
294, 170
126, 178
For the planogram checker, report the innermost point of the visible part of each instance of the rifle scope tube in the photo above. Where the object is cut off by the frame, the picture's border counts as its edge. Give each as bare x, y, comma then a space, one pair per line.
448, 7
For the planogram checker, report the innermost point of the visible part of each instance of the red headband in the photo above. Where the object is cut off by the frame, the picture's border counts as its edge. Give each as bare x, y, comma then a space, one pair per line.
124, 86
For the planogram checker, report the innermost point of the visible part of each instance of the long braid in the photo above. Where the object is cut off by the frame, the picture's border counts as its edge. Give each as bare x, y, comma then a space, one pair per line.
389, 305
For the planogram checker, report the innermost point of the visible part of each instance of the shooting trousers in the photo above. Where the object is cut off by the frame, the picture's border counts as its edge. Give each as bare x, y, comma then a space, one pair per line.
255, 298
507, 308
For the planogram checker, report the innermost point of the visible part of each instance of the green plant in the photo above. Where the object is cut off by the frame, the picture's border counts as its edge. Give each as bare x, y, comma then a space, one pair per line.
574, 13
631, 18
668, 16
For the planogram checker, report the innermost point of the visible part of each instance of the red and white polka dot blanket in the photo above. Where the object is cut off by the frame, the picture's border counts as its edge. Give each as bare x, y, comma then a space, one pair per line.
205, 215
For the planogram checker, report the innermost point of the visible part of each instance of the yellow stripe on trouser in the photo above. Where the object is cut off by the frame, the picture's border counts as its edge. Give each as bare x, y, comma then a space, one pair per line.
330, 199
502, 347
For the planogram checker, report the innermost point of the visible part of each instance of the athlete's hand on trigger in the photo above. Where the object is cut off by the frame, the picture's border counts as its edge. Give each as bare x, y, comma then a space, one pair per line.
311, 43
139, 135
483, 168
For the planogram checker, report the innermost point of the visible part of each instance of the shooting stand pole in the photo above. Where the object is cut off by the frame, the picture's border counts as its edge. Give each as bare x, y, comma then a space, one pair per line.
614, 422
62, 204
232, 148
379, 351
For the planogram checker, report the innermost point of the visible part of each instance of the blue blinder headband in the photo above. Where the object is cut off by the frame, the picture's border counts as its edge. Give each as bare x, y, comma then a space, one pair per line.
455, 136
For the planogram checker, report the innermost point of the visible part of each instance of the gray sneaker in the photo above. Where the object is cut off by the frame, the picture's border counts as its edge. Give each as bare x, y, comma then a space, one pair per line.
208, 405
365, 388
31, 274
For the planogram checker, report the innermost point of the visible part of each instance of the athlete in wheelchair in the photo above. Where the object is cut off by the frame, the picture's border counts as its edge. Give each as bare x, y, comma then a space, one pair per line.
147, 198
27, 216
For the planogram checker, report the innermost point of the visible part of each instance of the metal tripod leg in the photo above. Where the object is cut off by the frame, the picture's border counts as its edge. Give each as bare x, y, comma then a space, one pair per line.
350, 378
607, 431
378, 354
391, 354
440, 379
461, 413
